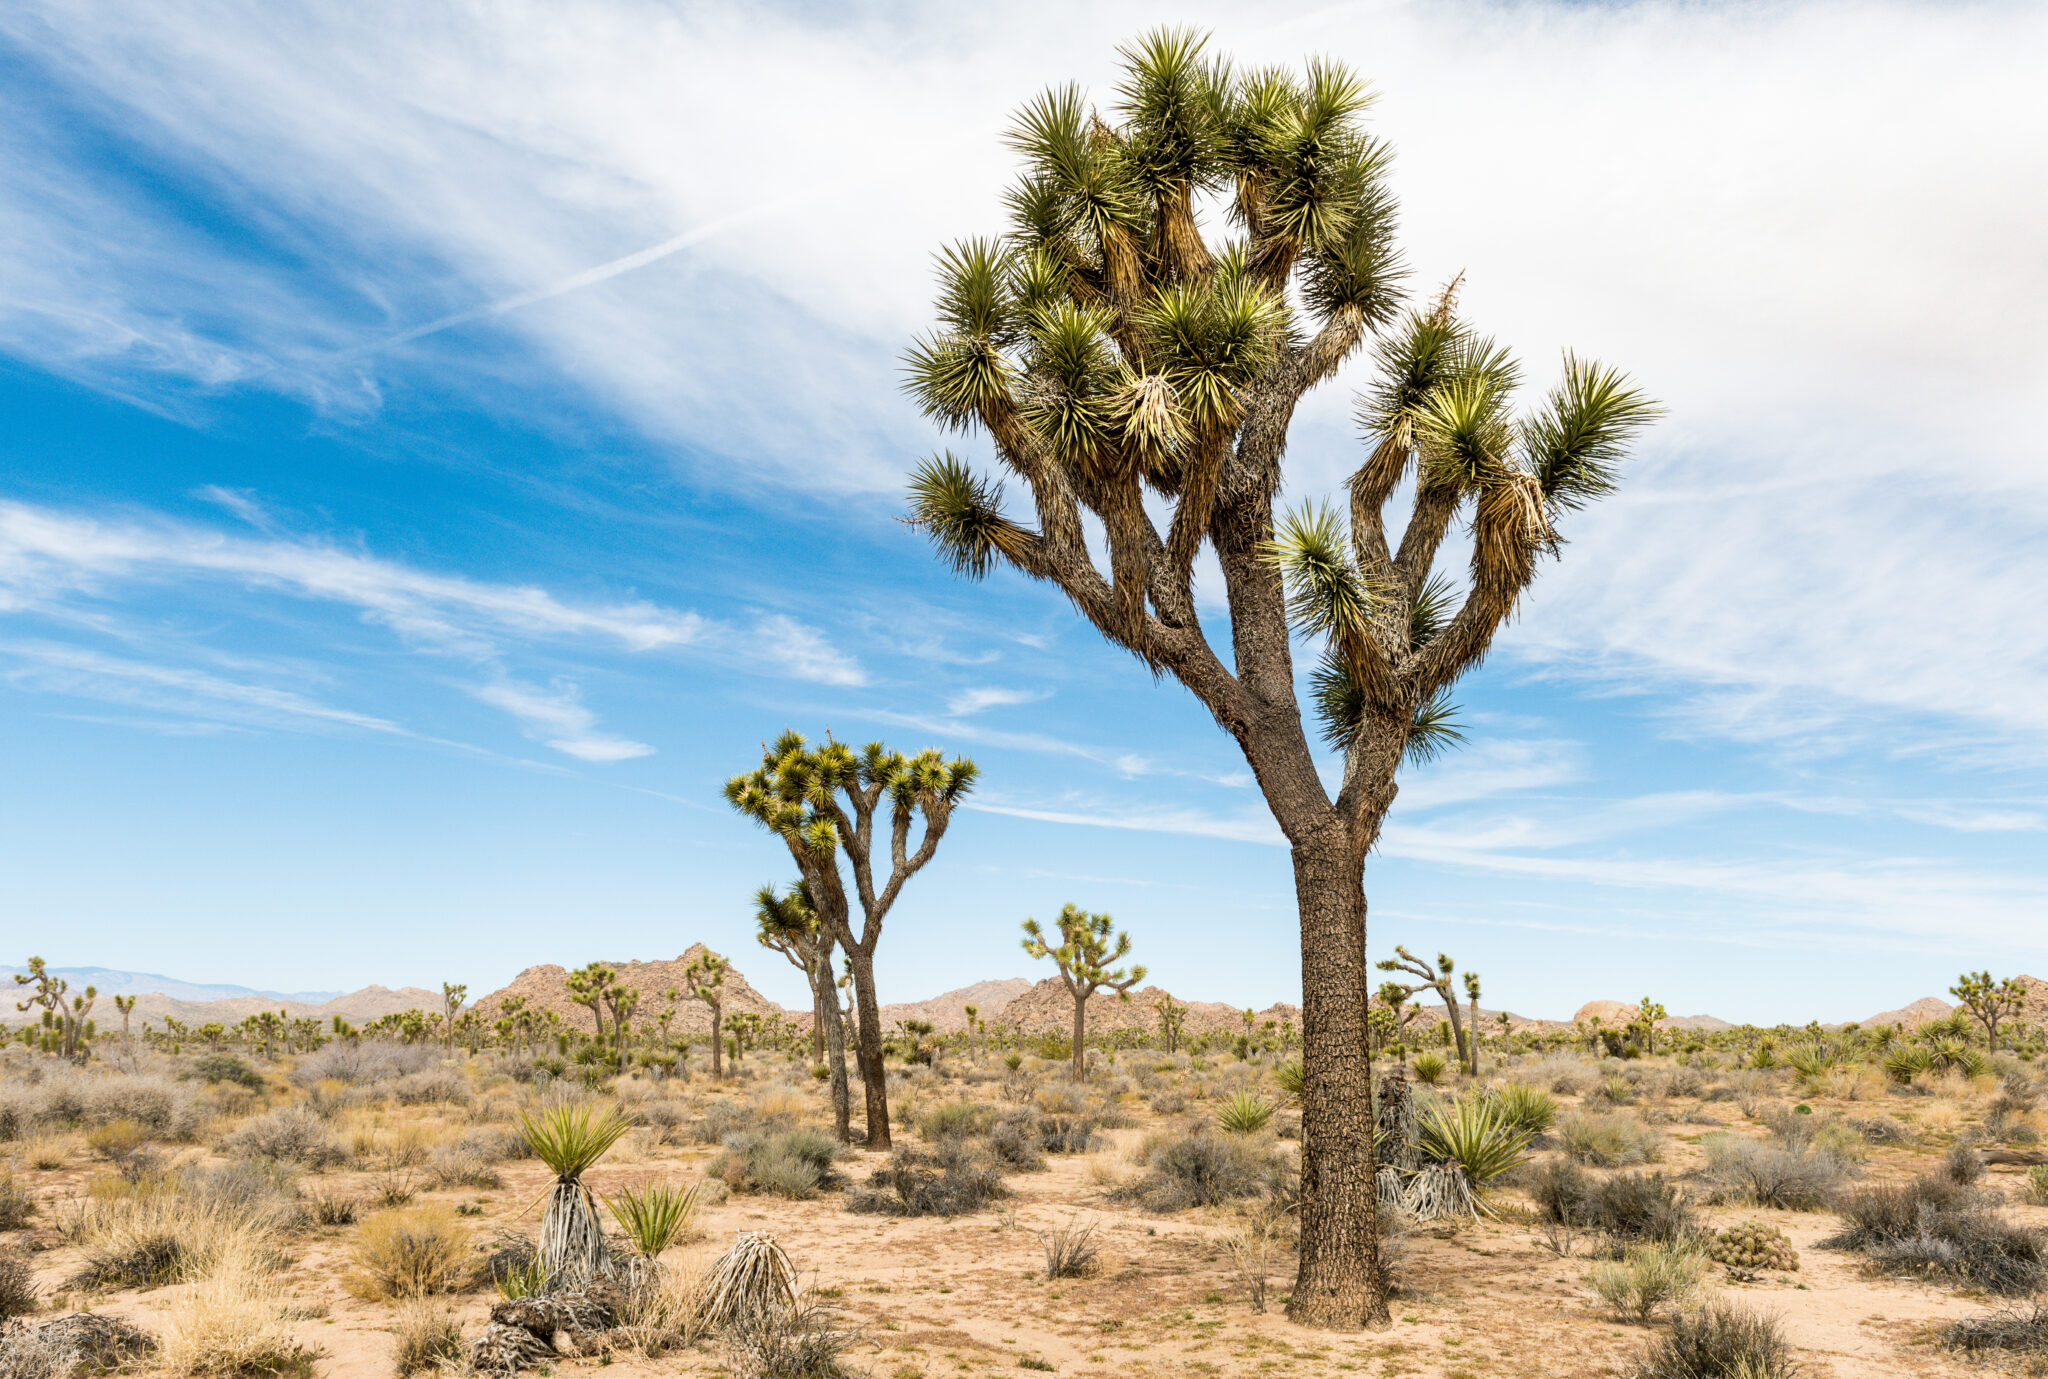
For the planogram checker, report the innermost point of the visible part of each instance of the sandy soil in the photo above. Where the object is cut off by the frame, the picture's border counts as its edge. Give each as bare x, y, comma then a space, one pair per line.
968, 1295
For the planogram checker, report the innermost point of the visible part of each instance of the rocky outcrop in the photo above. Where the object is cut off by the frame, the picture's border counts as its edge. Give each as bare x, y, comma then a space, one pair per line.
1048, 1007
546, 987
948, 1013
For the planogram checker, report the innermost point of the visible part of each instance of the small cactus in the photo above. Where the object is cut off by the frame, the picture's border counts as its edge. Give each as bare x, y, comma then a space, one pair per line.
1753, 1245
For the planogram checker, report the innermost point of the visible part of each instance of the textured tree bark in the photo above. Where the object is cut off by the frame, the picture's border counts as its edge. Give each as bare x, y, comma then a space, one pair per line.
873, 1076
835, 1043
1080, 1069
717, 1042
1338, 1284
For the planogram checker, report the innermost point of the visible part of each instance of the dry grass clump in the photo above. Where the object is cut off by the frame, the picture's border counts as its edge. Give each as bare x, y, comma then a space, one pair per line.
2019, 1331
17, 1203
1609, 1141
1719, 1341
364, 1061
231, 1322
1201, 1170
1071, 1251
428, 1337
165, 1109
1935, 1227
411, 1253
807, 1340
953, 1179
662, 1312
289, 1134
431, 1087
462, 1165
1650, 1276
150, 1238
17, 1287
82, 1343
953, 1120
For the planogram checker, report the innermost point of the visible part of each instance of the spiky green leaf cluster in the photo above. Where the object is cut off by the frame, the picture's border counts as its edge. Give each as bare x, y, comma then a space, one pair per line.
792, 792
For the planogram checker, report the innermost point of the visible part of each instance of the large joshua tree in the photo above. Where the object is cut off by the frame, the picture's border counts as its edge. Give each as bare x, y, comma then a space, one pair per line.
823, 801
1123, 367
789, 924
1088, 963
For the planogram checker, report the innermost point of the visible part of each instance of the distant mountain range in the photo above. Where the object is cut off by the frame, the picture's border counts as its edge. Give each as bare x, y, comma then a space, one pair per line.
113, 982
1014, 1001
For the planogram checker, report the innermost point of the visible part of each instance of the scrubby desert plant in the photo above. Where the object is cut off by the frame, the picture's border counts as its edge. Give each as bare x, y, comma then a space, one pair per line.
1200, 1170
18, 1295
1740, 1169
1719, 1341
148, 1239
1429, 1067
412, 1252
953, 1180
1904, 1062
954, 1120
1935, 1227
289, 1134
17, 1203
806, 1340
2034, 1190
569, 1138
1651, 1276
232, 1322
754, 1277
2015, 1330
1608, 1141
796, 1164
662, 1311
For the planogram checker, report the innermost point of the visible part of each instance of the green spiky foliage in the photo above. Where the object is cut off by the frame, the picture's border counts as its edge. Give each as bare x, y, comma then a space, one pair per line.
656, 1216
825, 803
587, 985
704, 980
66, 1020
788, 923
1134, 374
1087, 955
570, 1137
1990, 1003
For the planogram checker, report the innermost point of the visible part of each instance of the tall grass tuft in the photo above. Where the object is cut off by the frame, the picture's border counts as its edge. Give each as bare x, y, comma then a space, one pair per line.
1475, 1134
655, 1217
1244, 1113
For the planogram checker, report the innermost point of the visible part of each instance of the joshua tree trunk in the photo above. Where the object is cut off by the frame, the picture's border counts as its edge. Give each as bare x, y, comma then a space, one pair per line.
834, 1031
1473, 1065
717, 1042
1080, 1062
874, 1077
1338, 1282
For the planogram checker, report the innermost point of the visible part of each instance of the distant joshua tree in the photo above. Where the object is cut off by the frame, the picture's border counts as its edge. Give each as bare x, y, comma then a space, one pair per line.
1989, 1003
822, 802
68, 1020
1087, 961
453, 994
788, 923
1472, 995
1437, 979
586, 988
1172, 1018
706, 978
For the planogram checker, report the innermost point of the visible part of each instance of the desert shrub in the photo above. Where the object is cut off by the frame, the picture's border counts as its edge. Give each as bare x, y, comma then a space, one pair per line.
263, 1193
459, 1165
663, 1311
163, 1108
1685, 1081
216, 1068
148, 1239
666, 1118
1562, 1074
2034, 1189
2020, 1330
1525, 1107
17, 1287
1062, 1133
1719, 1341
1170, 1101
1881, 1130
1562, 1191
333, 1209
1290, 1076
1609, 1141
428, 1339
952, 1180
1014, 1142
366, 1061
1935, 1227
412, 1252
1740, 1169
17, 1203
1904, 1062
289, 1134
1200, 1170
805, 1340
1753, 1245
954, 1120
795, 1164
721, 1121
117, 1140
1429, 1067
431, 1086
1961, 1164
1244, 1113
1071, 1251
1650, 1276
1641, 1207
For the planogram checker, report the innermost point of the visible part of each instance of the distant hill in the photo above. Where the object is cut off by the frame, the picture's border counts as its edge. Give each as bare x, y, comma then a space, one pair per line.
948, 1013
356, 1006
1934, 1008
546, 988
113, 982
1048, 1007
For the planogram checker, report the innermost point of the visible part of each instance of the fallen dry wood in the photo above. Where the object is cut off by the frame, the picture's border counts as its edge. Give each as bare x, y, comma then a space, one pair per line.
2024, 1158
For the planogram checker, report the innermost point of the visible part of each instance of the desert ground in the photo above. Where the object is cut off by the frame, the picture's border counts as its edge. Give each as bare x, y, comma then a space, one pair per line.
307, 1156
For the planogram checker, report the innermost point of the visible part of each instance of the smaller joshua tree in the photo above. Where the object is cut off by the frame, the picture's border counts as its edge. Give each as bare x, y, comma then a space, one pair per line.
1472, 995
72, 1028
1437, 979
569, 1138
706, 978
1991, 1004
1171, 1019
788, 923
453, 994
1087, 962
587, 987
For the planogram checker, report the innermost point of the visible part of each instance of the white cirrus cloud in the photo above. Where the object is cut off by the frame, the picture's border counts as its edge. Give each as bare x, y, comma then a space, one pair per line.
557, 717
973, 701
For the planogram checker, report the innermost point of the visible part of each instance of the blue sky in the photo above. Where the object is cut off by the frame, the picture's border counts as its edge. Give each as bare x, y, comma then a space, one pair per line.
441, 446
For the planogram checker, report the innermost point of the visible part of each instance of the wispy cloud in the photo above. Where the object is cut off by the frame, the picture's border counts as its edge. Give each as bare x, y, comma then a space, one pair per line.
59, 669
973, 701
556, 716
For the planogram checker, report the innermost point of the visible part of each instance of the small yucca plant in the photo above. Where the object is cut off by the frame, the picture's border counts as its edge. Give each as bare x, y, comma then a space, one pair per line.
1904, 1062
1244, 1113
1291, 1078
569, 1138
1473, 1134
655, 1217
1429, 1067
1525, 1107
